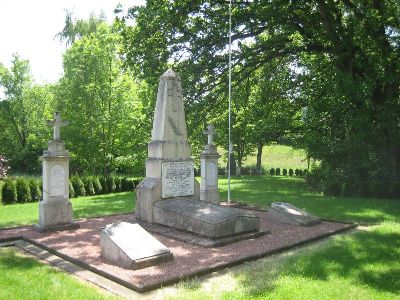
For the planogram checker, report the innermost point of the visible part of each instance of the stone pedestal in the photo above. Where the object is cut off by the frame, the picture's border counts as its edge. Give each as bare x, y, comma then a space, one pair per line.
209, 175
55, 210
169, 166
170, 195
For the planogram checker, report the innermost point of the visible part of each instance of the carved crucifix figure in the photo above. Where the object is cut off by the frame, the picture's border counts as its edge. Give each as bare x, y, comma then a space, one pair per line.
56, 123
210, 133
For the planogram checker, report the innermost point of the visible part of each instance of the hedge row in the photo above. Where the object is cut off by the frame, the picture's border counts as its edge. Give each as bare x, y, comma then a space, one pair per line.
296, 172
24, 189
95, 185
21, 190
368, 188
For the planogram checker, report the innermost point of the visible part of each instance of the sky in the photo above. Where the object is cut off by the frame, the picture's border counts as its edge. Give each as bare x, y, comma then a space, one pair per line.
28, 28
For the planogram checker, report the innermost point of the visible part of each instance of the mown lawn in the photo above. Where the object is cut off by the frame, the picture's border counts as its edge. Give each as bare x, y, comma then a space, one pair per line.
23, 277
361, 265
84, 207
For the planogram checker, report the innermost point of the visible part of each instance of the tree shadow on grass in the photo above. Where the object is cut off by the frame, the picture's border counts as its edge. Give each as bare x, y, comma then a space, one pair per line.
12, 259
263, 190
370, 258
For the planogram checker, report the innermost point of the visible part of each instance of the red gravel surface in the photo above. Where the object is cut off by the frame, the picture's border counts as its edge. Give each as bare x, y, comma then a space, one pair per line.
84, 245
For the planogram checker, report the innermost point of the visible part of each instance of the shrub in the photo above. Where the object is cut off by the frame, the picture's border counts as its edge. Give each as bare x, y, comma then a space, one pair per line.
378, 189
136, 182
296, 172
290, 172
332, 188
272, 172
278, 171
88, 183
79, 187
110, 184
361, 189
98, 189
305, 171
103, 182
124, 184
347, 189
23, 190
284, 172
117, 181
36, 193
300, 173
9, 192
71, 190
395, 189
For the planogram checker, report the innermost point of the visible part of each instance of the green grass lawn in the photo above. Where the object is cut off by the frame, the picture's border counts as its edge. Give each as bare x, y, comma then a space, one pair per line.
23, 277
361, 265
274, 156
266, 189
84, 207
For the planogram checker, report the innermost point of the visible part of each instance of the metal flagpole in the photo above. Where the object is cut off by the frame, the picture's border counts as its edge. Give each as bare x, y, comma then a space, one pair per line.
229, 101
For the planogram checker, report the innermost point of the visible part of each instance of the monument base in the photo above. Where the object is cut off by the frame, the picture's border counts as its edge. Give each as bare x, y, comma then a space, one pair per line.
55, 213
204, 219
60, 227
210, 196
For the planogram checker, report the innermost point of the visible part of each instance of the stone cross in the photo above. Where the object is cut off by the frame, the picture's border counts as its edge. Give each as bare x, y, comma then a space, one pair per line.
56, 123
210, 133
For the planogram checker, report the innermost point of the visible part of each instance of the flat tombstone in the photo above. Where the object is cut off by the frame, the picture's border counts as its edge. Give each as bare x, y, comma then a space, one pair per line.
286, 213
57, 180
177, 179
130, 246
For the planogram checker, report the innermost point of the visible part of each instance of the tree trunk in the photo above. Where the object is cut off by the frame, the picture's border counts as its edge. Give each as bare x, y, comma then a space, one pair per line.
259, 154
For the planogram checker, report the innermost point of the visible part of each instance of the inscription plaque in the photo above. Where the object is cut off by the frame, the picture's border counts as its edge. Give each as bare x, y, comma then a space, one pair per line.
57, 180
211, 170
177, 179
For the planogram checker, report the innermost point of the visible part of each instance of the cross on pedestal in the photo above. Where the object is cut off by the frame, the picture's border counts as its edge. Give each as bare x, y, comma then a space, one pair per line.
56, 123
210, 133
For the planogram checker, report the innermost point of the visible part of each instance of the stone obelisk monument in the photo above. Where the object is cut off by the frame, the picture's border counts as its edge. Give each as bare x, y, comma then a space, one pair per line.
170, 195
55, 210
169, 166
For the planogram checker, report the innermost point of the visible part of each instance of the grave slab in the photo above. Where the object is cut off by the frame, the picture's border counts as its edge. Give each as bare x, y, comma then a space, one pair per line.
286, 213
203, 218
132, 247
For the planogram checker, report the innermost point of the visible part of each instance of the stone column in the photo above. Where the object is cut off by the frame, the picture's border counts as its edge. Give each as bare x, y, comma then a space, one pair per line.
209, 170
55, 209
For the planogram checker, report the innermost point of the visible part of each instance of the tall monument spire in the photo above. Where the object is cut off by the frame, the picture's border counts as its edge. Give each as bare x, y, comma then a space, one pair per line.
169, 118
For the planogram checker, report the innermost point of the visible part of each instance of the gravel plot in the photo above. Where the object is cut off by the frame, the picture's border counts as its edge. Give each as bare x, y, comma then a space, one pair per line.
84, 245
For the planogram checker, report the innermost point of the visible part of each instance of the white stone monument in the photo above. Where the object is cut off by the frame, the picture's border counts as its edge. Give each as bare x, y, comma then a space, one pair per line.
209, 169
169, 166
55, 209
170, 195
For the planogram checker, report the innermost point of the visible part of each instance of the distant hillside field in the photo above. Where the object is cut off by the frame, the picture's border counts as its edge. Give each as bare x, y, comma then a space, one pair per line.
274, 156
279, 156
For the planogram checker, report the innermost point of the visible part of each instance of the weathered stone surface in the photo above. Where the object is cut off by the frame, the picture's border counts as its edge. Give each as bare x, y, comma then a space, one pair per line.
204, 218
130, 246
209, 170
55, 211
148, 192
177, 179
286, 213
168, 146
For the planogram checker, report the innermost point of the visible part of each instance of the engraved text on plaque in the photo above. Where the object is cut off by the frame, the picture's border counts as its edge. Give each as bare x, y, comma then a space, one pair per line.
57, 180
177, 179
